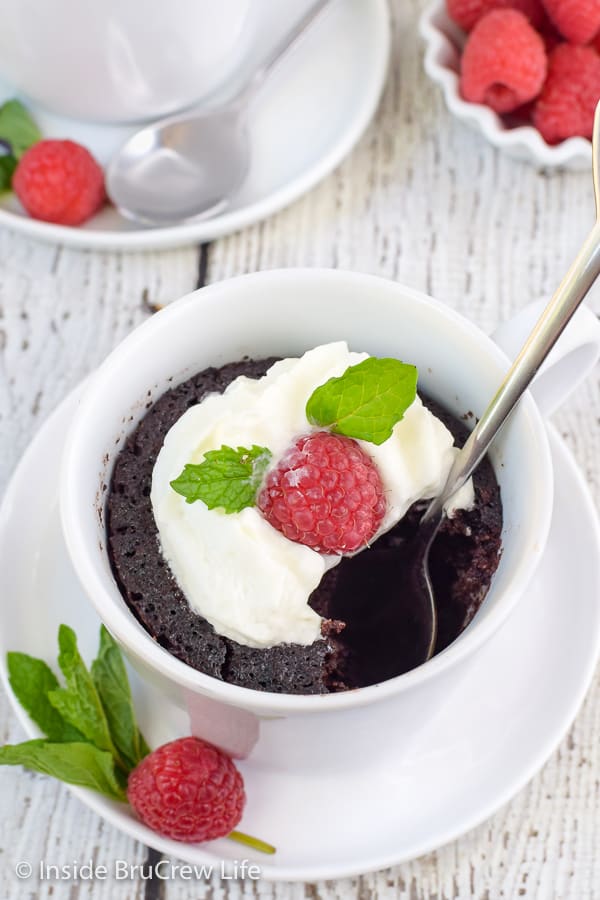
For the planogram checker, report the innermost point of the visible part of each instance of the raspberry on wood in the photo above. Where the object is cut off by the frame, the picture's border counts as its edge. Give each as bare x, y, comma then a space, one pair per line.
187, 790
567, 104
326, 493
60, 182
504, 62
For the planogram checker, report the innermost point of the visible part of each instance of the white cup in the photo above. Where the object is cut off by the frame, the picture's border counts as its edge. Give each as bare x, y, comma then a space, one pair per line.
121, 60
284, 313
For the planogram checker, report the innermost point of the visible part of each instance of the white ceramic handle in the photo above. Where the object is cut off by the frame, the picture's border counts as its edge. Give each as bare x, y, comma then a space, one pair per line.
571, 360
232, 729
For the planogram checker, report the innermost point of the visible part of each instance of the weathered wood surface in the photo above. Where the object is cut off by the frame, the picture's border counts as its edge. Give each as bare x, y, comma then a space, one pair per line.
421, 200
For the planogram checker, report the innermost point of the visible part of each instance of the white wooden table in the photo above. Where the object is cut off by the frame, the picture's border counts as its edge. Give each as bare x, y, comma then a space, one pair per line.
420, 200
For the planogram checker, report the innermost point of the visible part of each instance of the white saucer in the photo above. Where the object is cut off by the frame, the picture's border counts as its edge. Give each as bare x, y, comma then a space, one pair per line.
392, 795
305, 121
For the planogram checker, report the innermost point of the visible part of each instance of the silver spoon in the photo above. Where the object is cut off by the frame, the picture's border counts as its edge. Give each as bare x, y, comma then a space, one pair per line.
388, 639
190, 165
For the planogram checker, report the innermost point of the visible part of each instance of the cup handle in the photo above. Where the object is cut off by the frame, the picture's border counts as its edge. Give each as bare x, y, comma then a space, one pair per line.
571, 360
231, 729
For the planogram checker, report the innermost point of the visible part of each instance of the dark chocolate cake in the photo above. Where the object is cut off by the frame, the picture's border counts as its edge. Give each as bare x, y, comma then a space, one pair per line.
463, 559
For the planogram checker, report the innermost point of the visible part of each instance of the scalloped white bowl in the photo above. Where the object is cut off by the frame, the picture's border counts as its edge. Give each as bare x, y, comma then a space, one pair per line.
443, 45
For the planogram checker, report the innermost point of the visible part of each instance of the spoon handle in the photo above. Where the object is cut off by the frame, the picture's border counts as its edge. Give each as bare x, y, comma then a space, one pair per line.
569, 295
279, 50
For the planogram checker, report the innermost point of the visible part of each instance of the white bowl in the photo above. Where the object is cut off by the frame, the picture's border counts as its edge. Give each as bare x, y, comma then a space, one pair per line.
443, 45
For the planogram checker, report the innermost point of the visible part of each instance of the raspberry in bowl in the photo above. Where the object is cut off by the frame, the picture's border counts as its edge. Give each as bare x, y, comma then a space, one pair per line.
495, 61
256, 318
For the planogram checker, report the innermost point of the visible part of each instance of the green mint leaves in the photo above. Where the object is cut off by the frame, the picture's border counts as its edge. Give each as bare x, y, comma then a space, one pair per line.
111, 683
92, 736
17, 128
18, 132
79, 703
227, 478
8, 164
76, 763
366, 401
32, 680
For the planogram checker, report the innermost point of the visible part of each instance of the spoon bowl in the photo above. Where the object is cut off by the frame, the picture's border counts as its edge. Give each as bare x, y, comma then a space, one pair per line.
191, 165
181, 169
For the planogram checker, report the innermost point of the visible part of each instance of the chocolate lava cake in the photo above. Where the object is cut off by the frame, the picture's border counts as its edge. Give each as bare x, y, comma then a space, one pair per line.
463, 558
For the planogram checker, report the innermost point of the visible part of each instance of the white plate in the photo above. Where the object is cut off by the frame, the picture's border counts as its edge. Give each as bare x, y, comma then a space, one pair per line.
336, 811
305, 121
444, 41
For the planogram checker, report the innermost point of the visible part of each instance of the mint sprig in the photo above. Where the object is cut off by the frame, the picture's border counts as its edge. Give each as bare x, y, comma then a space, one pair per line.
92, 736
8, 164
32, 680
79, 703
110, 680
18, 132
77, 763
17, 128
228, 479
366, 401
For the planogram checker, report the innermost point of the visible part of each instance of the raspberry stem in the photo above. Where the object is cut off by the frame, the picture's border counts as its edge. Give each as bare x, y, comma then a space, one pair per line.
250, 841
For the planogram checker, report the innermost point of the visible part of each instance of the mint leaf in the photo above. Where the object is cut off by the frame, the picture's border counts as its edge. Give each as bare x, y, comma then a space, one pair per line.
227, 478
17, 128
366, 401
31, 680
18, 132
110, 678
79, 703
8, 164
76, 763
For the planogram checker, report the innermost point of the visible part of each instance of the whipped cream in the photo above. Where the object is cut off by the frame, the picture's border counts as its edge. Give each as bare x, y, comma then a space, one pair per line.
248, 580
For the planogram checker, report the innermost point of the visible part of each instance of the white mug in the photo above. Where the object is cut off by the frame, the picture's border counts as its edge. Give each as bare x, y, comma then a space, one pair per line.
121, 60
284, 313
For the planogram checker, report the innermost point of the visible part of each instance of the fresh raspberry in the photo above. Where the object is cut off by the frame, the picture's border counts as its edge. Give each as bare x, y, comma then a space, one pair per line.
325, 492
467, 13
59, 181
504, 61
187, 790
577, 20
567, 104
